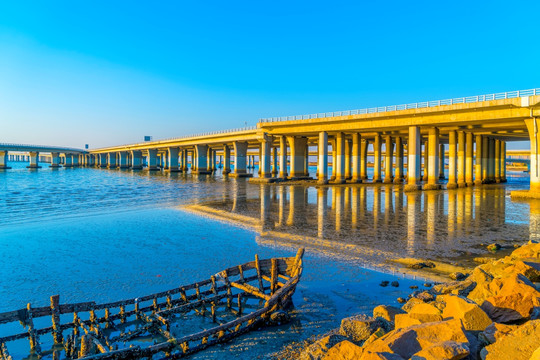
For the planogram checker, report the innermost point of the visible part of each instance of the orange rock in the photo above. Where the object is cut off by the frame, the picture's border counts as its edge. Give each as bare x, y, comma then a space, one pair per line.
470, 314
409, 304
530, 250
367, 355
319, 348
405, 320
495, 331
425, 313
447, 350
387, 312
520, 344
408, 341
360, 327
344, 350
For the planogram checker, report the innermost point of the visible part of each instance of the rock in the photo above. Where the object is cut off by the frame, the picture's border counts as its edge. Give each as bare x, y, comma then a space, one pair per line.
425, 313
380, 356
318, 349
413, 287
482, 260
519, 344
408, 341
495, 331
449, 350
515, 299
462, 288
535, 355
360, 327
425, 296
530, 269
384, 283
344, 350
401, 300
427, 284
530, 250
409, 305
376, 335
470, 314
404, 321
279, 317
395, 284
387, 312
457, 276
493, 247
422, 264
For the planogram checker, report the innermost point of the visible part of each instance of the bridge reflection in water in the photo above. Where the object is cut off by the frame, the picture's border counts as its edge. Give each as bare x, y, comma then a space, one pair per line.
382, 221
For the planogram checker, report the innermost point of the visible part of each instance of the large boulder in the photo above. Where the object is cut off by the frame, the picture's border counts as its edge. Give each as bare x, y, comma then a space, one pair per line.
470, 314
462, 288
425, 313
387, 312
515, 299
360, 327
520, 344
495, 331
530, 269
318, 349
446, 350
367, 355
531, 250
344, 350
408, 341
409, 304
404, 321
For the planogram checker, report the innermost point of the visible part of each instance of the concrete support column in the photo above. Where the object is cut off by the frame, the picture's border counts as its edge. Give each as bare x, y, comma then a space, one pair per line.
485, 159
461, 160
298, 150
172, 166
414, 149
398, 178
363, 159
55, 160
334, 159
264, 157
165, 160
340, 158
186, 160
34, 162
209, 159
201, 159
111, 161
322, 169
433, 160
356, 144
491, 161
240, 162
377, 159
497, 161
469, 160
306, 158
348, 153
75, 160
4, 160
283, 157
102, 160
388, 160
227, 159
426, 161
274, 161
123, 160
503, 161
479, 160
441, 161
136, 160
152, 159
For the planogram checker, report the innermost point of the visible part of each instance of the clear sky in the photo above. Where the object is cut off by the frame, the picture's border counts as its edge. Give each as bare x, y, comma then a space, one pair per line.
105, 73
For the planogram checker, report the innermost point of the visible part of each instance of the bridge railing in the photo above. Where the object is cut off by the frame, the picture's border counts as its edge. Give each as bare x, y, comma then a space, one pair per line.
37, 147
210, 133
418, 105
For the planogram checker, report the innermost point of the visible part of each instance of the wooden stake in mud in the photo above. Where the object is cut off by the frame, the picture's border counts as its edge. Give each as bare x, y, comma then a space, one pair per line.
57, 333
258, 267
32, 337
122, 314
214, 291
4, 354
229, 291
239, 304
274, 276
183, 295
76, 325
241, 273
198, 291
169, 301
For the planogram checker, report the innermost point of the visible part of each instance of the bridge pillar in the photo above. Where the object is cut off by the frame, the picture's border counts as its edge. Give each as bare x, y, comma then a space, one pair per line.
136, 160
398, 176
240, 153
479, 160
497, 161
282, 157
388, 160
123, 160
503, 161
334, 158
111, 160
534, 188
322, 168
275, 171
414, 151
340, 158
264, 157
433, 160
469, 151
356, 144
4, 160
377, 159
348, 153
363, 159
185, 160
68, 161
74, 160
172, 165
34, 160
426, 161
201, 159
485, 159
152, 159
491, 160
226, 159
248, 161
441, 161
306, 158
55, 160
461, 160
209, 156
298, 151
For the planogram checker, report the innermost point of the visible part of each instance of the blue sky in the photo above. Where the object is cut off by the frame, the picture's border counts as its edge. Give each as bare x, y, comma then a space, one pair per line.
105, 73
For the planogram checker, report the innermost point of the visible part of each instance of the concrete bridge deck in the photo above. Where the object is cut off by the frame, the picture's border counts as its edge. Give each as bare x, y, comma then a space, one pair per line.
66, 155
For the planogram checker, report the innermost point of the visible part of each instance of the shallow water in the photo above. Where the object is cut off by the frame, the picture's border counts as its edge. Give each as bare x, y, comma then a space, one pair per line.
104, 235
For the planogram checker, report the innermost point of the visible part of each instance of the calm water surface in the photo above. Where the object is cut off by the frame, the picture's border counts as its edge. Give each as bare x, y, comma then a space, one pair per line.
105, 235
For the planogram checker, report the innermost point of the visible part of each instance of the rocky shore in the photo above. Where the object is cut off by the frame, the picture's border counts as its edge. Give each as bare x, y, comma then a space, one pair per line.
492, 313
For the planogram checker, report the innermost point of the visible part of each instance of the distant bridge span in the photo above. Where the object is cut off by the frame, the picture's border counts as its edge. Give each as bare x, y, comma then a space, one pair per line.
70, 156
